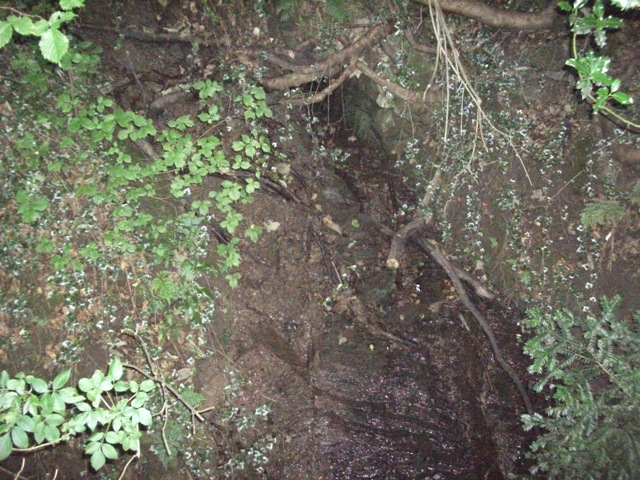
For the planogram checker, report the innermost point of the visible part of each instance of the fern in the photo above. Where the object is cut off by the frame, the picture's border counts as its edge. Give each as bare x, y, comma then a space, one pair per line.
602, 212
338, 10
285, 9
591, 365
635, 193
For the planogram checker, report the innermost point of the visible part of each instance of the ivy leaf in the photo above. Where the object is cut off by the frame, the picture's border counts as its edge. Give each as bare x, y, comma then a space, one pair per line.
53, 45
6, 32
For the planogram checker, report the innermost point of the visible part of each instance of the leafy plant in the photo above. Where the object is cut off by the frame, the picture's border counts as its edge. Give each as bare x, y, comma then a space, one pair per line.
594, 83
53, 44
591, 365
30, 207
35, 413
602, 212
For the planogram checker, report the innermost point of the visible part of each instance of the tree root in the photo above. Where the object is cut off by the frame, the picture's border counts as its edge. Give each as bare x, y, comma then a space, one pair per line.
546, 19
452, 272
328, 67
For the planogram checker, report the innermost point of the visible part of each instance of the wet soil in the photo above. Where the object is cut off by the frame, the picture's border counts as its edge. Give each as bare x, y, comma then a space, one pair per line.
370, 373
403, 386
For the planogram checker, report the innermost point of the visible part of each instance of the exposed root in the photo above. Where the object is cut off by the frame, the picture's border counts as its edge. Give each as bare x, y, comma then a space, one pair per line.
496, 17
452, 272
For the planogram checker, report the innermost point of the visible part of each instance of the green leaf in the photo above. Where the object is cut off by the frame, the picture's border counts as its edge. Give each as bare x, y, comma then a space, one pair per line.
109, 451
139, 400
26, 422
85, 384
144, 417
114, 438
39, 385
622, 98
39, 27
22, 25
565, 6
626, 4
6, 446
6, 32
602, 79
61, 380
39, 432
54, 419
71, 4
98, 460
53, 45
19, 437
51, 433
116, 369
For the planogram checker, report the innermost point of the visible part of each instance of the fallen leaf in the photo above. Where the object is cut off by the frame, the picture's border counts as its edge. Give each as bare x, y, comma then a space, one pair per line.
271, 226
331, 225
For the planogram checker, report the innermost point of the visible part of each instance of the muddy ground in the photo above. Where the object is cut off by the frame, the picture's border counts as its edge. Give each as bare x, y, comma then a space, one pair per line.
369, 372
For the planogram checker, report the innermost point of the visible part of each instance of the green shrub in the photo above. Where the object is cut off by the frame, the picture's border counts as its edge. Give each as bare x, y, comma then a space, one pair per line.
592, 366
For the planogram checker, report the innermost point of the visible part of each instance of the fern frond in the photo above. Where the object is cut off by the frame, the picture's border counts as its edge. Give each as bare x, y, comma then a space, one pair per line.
602, 212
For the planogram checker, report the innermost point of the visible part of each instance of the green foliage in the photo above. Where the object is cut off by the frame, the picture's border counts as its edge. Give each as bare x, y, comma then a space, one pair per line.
53, 44
34, 412
87, 215
30, 207
285, 9
634, 197
593, 82
602, 212
337, 9
592, 367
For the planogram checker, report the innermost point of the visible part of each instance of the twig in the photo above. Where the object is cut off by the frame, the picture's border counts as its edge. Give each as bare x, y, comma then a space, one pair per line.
143, 36
400, 237
19, 474
137, 455
327, 262
171, 389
